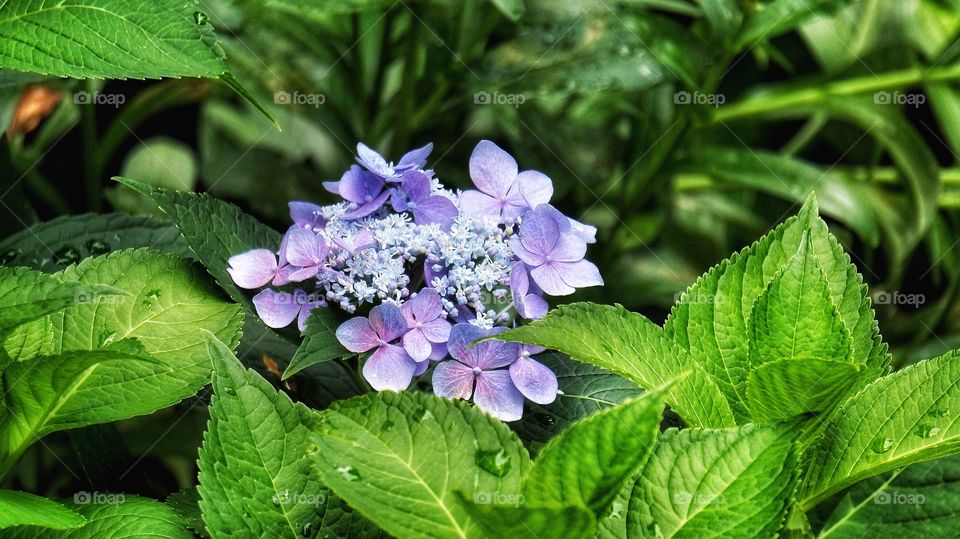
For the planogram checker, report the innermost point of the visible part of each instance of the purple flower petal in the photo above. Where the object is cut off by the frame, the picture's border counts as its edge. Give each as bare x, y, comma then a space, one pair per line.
436, 209
579, 274
389, 368
373, 161
361, 240
387, 320
496, 395
569, 248
479, 205
417, 345
438, 351
492, 170
425, 307
305, 312
586, 232
306, 215
298, 275
519, 280
276, 309
283, 275
415, 158
549, 280
416, 185
422, 367
332, 187
437, 330
366, 209
252, 269
304, 248
359, 186
357, 335
533, 259
539, 233
531, 306
453, 379
532, 378
535, 188
494, 354
458, 344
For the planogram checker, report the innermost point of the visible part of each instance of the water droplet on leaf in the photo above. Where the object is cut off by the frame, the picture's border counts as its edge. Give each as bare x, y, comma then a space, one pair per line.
67, 255
348, 473
200, 17
97, 247
545, 419
495, 462
882, 445
307, 529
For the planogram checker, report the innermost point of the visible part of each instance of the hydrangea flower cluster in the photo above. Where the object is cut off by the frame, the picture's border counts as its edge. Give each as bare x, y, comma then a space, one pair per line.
434, 269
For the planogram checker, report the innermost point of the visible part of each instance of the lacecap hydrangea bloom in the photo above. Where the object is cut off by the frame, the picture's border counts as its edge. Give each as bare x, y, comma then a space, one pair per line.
433, 269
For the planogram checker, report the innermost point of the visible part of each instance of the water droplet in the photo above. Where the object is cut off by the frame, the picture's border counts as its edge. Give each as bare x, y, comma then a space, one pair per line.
200, 17
348, 473
9, 256
496, 462
943, 412
154, 295
934, 431
616, 510
97, 247
388, 424
67, 255
313, 450
307, 529
925, 430
882, 445
427, 415
231, 391
545, 419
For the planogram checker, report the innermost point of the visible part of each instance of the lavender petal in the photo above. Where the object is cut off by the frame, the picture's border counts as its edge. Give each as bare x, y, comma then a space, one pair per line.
453, 379
357, 335
496, 395
389, 368
492, 170
276, 309
252, 269
532, 378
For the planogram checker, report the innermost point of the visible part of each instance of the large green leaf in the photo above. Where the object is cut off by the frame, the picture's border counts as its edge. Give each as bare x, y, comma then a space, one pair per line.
403, 460
119, 516
254, 477
81, 366
906, 417
114, 39
715, 483
26, 295
320, 343
525, 522
711, 319
22, 508
785, 388
923, 498
55, 244
628, 344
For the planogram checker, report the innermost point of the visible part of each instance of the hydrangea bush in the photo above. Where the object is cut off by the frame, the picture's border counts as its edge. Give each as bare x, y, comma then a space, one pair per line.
433, 270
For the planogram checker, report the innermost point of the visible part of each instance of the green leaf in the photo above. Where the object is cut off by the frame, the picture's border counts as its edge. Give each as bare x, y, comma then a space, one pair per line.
724, 16
122, 516
784, 389
906, 417
85, 366
55, 244
628, 344
779, 16
586, 390
511, 9
254, 477
402, 458
532, 522
320, 343
711, 320
788, 178
186, 503
921, 498
114, 39
715, 483
589, 463
26, 295
794, 318
21, 508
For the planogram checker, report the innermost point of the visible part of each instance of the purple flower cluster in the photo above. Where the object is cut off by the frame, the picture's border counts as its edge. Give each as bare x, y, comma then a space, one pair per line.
437, 269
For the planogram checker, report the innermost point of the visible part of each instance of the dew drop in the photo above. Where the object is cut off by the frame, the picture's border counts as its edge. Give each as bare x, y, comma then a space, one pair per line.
231, 391
9, 256
200, 17
943, 412
154, 295
495, 462
307, 529
97, 247
67, 255
545, 419
427, 415
882, 445
925, 430
616, 510
348, 473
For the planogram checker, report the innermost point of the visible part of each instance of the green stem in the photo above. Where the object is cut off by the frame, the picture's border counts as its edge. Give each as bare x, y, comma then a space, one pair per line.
771, 101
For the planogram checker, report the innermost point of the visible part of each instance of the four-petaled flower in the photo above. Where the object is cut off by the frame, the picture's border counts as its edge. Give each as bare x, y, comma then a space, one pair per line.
504, 193
307, 215
375, 163
303, 254
478, 372
389, 367
426, 209
427, 324
554, 252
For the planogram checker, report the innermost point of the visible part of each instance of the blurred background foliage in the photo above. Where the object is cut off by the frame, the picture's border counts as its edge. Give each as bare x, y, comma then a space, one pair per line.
683, 129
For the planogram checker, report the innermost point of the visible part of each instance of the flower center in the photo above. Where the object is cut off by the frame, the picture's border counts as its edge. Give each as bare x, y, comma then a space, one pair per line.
476, 370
